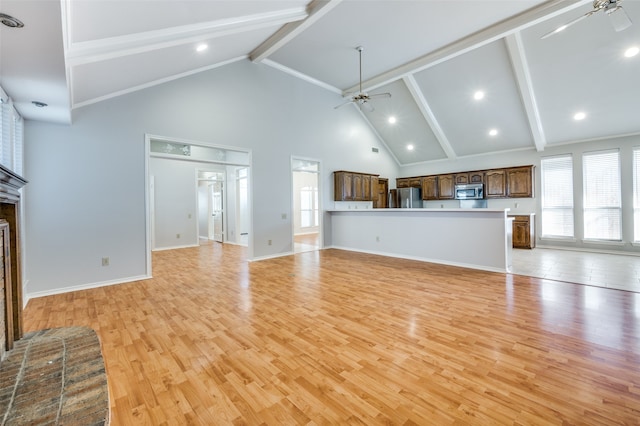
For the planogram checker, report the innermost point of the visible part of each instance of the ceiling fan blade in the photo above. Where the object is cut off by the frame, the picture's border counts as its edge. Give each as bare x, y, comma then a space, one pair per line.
568, 24
619, 18
380, 95
342, 104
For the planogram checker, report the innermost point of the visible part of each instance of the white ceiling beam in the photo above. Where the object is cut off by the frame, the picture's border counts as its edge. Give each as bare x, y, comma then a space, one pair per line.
520, 66
478, 39
427, 112
301, 76
114, 47
315, 10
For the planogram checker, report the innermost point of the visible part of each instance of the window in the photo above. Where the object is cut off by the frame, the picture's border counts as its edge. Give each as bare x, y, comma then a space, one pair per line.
11, 135
636, 194
602, 195
557, 196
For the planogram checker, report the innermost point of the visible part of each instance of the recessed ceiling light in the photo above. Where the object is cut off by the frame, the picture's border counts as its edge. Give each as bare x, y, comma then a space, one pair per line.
631, 52
478, 95
493, 132
579, 116
410, 147
202, 47
392, 120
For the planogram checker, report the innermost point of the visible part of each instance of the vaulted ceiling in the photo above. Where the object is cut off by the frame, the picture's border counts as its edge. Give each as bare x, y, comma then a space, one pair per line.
431, 55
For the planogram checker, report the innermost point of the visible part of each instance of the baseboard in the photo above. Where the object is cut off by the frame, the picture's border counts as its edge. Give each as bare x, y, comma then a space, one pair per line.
176, 247
25, 286
271, 256
34, 295
233, 243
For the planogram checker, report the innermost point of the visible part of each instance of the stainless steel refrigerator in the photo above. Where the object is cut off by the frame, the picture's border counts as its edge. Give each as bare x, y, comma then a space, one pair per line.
409, 198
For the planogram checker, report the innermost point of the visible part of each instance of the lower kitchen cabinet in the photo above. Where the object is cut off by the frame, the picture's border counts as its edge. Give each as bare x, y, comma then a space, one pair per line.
524, 235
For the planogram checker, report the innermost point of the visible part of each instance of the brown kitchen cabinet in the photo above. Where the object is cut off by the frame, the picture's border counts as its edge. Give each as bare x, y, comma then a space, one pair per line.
352, 186
476, 177
524, 235
409, 182
461, 178
520, 182
508, 182
381, 192
430, 188
402, 183
495, 184
446, 187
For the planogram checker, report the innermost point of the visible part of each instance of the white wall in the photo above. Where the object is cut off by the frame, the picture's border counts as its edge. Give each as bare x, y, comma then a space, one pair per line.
86, 196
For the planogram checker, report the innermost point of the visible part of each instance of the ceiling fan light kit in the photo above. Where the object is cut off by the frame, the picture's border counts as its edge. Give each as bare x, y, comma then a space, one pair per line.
617, 16
362, 99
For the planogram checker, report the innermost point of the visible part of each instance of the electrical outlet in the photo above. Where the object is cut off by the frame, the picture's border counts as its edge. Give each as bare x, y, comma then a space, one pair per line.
269, 242
177, 235
377, 239
189, 215
284, 216
105, 261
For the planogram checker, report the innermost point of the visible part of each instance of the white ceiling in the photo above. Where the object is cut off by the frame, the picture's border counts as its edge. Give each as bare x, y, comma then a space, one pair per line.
431, 55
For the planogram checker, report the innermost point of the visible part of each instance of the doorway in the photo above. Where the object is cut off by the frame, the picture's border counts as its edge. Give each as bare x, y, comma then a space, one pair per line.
307, 220
173, 194
211, 206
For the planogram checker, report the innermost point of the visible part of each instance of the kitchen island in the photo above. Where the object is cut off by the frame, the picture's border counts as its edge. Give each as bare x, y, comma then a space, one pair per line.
472, 238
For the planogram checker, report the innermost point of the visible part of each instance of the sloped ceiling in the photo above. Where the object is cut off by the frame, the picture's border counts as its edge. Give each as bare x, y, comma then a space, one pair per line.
431, 55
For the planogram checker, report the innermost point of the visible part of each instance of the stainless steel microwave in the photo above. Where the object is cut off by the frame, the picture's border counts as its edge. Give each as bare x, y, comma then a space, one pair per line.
471, 191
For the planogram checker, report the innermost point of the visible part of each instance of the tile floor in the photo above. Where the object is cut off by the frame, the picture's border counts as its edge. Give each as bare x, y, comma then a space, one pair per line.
621, 272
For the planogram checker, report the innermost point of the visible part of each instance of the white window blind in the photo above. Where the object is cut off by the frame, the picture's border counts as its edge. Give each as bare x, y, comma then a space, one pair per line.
636, 194
602, 195
557, 196
18, 143
11, 135
7, 135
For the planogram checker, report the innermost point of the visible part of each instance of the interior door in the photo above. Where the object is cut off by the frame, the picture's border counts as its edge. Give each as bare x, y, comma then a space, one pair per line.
217, 211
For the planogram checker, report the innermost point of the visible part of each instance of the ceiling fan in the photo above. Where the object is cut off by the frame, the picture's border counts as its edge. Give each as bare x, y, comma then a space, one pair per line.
363, 99
617, 16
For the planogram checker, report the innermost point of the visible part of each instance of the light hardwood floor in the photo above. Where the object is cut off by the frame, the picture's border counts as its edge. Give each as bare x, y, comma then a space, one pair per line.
335, 337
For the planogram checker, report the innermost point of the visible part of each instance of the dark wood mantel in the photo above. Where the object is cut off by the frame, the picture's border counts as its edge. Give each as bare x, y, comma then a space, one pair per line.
10, 184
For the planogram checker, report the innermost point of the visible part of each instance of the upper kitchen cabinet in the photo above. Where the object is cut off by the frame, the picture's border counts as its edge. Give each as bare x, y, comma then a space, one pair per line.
495, 184
446, 187
353, 186
409, 182
468, 177
476, 177
461, 178
520, 182
343, 186
430, 188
